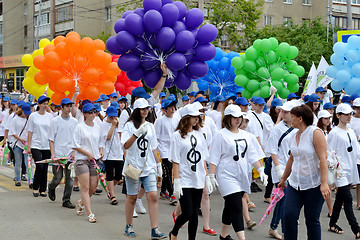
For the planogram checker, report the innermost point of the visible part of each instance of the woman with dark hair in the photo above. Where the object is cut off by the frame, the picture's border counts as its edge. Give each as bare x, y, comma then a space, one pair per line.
188, 151
230, 152
313, 103
274, 110
306, 173
38, 144
344, 142
229, 99
139, 140
89, 150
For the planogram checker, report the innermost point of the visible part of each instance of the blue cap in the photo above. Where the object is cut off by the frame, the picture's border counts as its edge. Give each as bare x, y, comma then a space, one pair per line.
230, 96
105, 98
111, 111
241, 101
259, 100
113, 95
192, 94
99, 100
88, 107
354, 96
276, 102
239, 89
14, 101
115, 105
200, 100
320, 89
185, 98
329, 105
162, 94
85, 102
306, 98
292, 95
313, 98
20, 103
42, 99
26, 108
265, 109
30, 103
172, 97
253, 99
6, 99
122, 99
97, 107
65, 101
345, 99
218, 98
140, 93
199, 92
168, 102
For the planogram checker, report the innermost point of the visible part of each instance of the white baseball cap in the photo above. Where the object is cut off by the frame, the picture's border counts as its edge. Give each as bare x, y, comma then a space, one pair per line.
356, 102
190, 110
233, 110
245, 116
198, 106
141, 103
324, 114
344, 108
287, 106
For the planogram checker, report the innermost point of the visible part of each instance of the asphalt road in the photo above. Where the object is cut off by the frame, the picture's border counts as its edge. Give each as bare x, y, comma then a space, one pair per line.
23, 216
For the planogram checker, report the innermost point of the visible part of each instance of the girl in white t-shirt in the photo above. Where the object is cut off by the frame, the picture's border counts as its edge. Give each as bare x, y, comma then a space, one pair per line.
38, 144
230, 152
343, 141
87, 143
4, 112
188, 151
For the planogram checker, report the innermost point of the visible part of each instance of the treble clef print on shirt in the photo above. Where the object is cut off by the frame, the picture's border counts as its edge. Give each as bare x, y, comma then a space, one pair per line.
237, 142
193, 155
142, 144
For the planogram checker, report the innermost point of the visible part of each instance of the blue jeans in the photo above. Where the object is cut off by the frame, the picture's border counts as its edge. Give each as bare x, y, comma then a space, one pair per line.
312, 200
18, 154
278, 213
149, 183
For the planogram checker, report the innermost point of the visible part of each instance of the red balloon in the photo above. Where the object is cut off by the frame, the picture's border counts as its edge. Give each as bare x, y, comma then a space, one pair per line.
57, 97
40, 78
39, 62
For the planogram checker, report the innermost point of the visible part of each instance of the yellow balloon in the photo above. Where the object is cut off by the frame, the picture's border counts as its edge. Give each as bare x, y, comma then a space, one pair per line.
44, 42
49, 92
27, 60
30, 73
27, 83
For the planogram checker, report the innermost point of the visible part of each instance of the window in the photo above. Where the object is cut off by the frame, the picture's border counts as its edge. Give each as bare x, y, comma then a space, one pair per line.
1, 28
356, 23
269, 0
25, 31
19, 78
306, 21
340, 22
355, 2
108, 13
306, 2
224, 41
64, 14
287, 1
25, 9
1, 9
207, 10
268, 20
340, 1
44, 19
287, 21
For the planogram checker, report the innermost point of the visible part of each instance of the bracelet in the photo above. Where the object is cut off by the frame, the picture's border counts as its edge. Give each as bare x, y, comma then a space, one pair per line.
164, 76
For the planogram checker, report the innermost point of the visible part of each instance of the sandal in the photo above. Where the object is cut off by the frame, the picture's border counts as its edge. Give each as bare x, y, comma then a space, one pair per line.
357, 235
92, 218
79, 208
113, 201
358, 207
251, 205
336, 229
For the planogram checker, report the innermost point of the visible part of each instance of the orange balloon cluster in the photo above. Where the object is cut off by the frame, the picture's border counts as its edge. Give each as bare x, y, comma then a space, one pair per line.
123, 84
74, 62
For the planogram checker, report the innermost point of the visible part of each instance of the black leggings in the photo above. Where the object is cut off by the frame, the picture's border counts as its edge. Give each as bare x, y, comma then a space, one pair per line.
40, 176
190, 204
113, 169
167, 175
232, 213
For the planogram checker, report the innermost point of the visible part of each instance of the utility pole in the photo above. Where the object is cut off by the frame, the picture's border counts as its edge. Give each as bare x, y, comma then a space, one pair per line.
349, 16
328, 21
38, 26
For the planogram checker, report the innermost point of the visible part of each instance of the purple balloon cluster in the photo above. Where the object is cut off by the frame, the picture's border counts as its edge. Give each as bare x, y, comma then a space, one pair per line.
163, 31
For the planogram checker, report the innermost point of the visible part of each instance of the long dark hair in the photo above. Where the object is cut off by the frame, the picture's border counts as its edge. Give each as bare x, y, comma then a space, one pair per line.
184, 125
273, 114
135, 117
311, 106
322, 126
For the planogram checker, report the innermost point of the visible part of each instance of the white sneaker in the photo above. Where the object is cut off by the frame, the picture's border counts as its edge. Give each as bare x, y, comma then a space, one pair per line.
135, 214
274, 234
139, 206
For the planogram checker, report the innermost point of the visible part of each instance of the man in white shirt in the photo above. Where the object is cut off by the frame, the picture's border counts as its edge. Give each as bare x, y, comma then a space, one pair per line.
329, 96
60, 136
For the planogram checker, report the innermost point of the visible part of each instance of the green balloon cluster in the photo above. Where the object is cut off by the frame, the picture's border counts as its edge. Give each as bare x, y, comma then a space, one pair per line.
267, 63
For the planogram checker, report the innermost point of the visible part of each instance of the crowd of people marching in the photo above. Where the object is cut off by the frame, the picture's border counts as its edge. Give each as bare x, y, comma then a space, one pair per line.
195, 149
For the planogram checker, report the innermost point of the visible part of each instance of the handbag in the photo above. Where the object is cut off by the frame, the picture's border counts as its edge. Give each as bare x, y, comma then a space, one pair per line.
334, 167
132, 172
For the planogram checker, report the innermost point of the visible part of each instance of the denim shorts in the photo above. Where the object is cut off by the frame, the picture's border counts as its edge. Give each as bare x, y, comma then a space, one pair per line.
149, 182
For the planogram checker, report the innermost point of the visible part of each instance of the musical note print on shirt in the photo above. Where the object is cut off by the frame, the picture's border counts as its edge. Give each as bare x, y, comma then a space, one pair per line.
193, 155
237, 143
142, 144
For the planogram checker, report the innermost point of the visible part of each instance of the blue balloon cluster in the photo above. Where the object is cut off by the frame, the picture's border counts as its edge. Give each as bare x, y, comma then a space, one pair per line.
163, 31
346, 68
221, 75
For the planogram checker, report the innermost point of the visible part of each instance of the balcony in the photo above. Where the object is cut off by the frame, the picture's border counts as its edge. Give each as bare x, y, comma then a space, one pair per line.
44, 30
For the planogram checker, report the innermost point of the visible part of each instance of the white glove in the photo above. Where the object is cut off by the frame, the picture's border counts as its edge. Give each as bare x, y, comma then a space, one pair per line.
213, 181
263, 176
273, 89
209, 185
159, 170
141, 130
279, 171
177, 188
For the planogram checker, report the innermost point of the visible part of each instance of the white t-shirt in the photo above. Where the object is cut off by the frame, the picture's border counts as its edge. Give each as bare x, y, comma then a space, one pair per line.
61, 132
141, 149
231, 153
18, 126
88, 138
164, 128
216, 116
338, 140
79, 116
4, 116
282, 152
190, 153
7, 126
39, 125
209, 129
113, 149
124, 116
263, 130
329, 94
